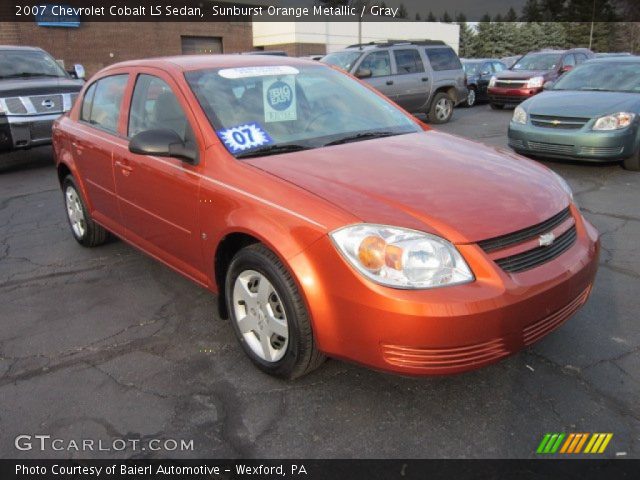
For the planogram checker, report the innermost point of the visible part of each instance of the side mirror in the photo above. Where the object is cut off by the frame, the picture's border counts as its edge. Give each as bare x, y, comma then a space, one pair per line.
566, 68
548, 85
363, 73
78, 71
163, 143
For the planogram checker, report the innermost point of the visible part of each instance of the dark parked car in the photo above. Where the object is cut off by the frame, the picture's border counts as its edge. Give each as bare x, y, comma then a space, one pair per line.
529, 74
479, 72
591, 113
34, 91
420, 76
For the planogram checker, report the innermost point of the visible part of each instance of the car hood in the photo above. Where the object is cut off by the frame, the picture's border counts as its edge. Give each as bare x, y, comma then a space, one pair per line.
14, 87
429, 181
582, 104
522, 74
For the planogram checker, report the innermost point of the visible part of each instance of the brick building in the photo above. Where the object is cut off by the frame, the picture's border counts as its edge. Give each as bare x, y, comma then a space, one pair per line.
98, 44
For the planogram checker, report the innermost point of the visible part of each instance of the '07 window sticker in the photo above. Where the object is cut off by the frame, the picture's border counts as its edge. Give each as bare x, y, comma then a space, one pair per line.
244, 137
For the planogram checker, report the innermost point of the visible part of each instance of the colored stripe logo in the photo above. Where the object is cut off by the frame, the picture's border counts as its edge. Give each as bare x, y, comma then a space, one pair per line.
573, 443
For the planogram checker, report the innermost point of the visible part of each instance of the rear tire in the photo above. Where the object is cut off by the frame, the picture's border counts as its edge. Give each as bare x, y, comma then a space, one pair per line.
632, 163
268, 314
497, 106
471, 98
441, 109
86, 232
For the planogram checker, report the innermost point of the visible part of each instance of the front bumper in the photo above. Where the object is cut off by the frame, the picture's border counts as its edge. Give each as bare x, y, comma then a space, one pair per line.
504, 95
444, 330
25, 131
573, 144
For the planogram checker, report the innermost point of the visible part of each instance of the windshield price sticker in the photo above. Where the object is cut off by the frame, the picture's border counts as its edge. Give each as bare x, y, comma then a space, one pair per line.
280, 99
245, 72
244, 137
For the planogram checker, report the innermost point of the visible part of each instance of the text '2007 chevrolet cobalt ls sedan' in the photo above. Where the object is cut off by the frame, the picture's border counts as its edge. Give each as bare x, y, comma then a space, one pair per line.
328, 221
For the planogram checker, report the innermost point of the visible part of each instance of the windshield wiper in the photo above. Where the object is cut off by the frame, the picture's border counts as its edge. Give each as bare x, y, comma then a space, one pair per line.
360, 136
273, 150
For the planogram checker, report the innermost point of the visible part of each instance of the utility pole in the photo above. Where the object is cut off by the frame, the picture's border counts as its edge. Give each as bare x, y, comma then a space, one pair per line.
593, 18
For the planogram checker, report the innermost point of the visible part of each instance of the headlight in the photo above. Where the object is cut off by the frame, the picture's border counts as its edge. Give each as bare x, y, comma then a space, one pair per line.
519, 115
565, 186
614, 121
535, 82
492, 82
401, 258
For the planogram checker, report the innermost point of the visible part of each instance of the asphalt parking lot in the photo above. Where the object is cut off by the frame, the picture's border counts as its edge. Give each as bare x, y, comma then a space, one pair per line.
107, 343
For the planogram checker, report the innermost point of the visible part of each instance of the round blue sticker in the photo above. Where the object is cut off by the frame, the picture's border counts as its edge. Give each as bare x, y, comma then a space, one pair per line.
279, 96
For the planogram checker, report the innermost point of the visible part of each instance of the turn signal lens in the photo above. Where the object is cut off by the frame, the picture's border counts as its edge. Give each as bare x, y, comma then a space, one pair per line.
371, 253
393, 257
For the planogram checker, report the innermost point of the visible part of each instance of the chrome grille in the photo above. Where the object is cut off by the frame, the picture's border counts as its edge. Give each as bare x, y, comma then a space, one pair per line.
537, 256
511, 83
40, 130
15, 105
604, 151
551, 148
519, 236
47, 103
566, 123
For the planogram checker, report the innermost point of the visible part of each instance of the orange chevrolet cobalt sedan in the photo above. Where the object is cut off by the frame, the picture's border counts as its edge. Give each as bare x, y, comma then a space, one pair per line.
328, 221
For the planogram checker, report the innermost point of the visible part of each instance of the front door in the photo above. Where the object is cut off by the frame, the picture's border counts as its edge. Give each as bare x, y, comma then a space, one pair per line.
159, 196
382, 79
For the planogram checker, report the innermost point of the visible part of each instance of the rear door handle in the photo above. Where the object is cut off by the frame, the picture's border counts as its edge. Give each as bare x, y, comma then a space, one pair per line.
389, 82
425, 79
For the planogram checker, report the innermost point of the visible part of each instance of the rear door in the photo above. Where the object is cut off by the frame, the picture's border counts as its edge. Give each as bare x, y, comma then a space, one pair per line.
159, 196
484, 75
411, 81
382, 78
93, 143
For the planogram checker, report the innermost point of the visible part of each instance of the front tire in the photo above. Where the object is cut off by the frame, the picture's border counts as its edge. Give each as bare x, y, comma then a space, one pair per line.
471, 98
497, 106
268, 314
86, 232
632, 163
441, 108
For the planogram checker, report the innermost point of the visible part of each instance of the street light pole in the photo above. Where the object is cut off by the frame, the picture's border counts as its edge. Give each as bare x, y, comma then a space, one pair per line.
593, 18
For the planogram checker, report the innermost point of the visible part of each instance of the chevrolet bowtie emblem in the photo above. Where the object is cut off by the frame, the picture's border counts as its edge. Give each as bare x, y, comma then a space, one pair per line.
546, 239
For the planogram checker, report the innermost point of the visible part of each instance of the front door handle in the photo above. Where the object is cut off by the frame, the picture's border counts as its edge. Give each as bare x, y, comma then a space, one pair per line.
389, 82
425, 79
125, 168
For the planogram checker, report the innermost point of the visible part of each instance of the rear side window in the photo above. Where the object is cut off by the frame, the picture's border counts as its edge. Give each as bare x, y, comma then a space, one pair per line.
107, 101
499, 66
443, 59
155, 106
85, 113
378, 62
408, 61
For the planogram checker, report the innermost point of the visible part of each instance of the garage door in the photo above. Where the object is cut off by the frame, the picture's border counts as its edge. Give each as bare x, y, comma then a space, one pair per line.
199, 45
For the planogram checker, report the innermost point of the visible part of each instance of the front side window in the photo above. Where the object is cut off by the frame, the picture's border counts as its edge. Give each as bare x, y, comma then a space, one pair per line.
408, 61
499, 67
569, 61
107, 101
154, 106
29, 63
301, 107
378, 62
443, 59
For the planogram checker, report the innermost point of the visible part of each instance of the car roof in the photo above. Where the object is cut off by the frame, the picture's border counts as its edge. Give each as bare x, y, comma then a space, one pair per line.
199, 62
480, 60
622, 59
20, 47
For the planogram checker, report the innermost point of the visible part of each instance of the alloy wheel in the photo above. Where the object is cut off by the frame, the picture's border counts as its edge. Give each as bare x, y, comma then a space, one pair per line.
75, 212
443, 109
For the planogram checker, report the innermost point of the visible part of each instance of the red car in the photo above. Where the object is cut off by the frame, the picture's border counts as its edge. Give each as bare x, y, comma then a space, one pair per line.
328, 221
527, 76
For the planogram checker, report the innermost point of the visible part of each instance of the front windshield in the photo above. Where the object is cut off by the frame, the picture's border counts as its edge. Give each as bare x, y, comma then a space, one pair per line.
344, 60
609, 76
254, 108
537, 61
472, 68
28, 63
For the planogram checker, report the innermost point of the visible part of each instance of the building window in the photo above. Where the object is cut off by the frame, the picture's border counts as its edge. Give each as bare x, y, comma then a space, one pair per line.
201, 45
